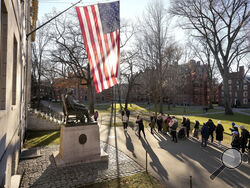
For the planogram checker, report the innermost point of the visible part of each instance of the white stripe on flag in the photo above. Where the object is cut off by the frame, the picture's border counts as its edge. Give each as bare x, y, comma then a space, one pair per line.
90, 47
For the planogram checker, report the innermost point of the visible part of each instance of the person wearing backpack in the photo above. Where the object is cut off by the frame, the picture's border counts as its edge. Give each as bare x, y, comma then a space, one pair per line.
244, 138
204, 135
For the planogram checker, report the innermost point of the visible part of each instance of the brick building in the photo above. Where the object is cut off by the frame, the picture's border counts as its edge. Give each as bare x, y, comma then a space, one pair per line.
185, 84
17, 19
239, 89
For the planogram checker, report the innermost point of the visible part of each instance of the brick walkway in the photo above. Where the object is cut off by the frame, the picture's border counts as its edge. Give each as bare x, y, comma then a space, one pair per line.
42, 172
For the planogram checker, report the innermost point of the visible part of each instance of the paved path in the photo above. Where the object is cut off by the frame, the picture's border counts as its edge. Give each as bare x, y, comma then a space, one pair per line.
42, 172
174, 163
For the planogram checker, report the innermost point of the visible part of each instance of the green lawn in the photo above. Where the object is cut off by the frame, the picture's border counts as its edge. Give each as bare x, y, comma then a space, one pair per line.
140, 180
41, 138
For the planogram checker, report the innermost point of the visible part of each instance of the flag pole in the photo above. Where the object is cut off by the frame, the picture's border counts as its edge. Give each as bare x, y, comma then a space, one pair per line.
51, 19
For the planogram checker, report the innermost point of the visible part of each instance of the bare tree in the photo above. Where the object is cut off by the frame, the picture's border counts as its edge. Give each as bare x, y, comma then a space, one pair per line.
39, 48
152, 41
220, 23
69, 54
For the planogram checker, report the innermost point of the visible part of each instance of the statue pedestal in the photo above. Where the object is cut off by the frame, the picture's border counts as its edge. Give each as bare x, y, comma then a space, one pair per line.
79, 144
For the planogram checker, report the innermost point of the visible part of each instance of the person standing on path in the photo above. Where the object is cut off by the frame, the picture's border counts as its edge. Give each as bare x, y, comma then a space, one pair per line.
96, 115
196, 129
159, 123
219, 132
139, 121
152, 122
125, 122
188, 126
128, 113
244, 138
211, 129
204, 135
173, 126
183, 123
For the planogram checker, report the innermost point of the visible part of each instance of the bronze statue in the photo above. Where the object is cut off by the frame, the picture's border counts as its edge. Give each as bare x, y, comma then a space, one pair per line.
73, 105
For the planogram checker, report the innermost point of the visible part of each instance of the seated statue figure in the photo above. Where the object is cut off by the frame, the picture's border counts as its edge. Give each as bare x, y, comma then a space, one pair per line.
73, 105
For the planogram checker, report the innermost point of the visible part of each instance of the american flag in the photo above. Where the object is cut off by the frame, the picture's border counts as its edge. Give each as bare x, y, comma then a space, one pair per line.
100, 26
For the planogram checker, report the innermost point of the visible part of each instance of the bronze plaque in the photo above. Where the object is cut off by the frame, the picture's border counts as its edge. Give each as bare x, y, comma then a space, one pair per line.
82, 139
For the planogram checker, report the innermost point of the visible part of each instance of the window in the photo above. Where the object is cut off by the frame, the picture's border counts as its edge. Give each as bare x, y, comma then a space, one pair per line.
14, 72
244, 101
3, 55
245, 81
245, 87
230, 93
230, 88
245, 94
238, 87
235, 94
222, 94
229, 81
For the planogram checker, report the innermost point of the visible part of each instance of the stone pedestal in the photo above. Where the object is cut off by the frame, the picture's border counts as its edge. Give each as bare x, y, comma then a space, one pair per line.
79, 144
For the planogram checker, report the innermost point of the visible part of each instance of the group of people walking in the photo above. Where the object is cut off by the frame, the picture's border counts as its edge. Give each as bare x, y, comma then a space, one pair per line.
169, 124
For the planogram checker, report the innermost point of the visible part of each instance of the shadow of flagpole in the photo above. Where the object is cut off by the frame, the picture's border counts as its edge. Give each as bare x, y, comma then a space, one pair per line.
116, 144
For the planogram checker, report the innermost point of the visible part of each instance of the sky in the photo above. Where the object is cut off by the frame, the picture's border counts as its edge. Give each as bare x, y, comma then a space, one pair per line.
130, 9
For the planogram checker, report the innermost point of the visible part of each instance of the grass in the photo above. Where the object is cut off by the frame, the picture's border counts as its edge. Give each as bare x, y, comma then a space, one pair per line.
131, 107
140, 180
41, 138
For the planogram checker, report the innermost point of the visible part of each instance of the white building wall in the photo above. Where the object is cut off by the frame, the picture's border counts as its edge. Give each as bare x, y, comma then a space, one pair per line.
13, 117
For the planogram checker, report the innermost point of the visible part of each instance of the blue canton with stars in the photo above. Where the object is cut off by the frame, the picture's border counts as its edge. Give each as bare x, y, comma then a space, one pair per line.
110, 16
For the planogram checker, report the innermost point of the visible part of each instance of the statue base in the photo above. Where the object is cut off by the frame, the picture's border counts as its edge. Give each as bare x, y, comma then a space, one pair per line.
79, 144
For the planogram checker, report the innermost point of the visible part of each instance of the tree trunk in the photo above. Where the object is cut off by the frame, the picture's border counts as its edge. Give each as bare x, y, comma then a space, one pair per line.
119, 96
227, 97
127, 98
210, 105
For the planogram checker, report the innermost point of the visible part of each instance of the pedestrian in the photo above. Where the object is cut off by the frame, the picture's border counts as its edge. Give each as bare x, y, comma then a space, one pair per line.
96, 115
152, 122
211, 129
173, 126
188, 126
234, 127
128, 113
196, 129
139, 121
236, 140
159, 123
164, 124
125, 122
204, 135
122, 112
244, 138
219, 132
168, 121
183, 124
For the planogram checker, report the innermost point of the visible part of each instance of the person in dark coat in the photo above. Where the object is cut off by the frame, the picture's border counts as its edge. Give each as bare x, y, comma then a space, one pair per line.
236, 140
139, 121
244, 138
196, 129
188, 126
204, 135
183, 124
122, 112
128, 113
234, 127
211, 129
159, 122
96, 115
219, 132
152, 122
